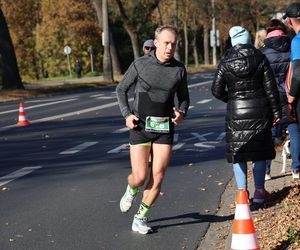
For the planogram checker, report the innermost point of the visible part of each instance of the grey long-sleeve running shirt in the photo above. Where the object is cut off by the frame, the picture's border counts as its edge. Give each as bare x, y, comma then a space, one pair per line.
155, 87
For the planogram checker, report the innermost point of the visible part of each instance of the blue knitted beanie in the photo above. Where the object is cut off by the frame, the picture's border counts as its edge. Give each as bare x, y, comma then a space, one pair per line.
239, 35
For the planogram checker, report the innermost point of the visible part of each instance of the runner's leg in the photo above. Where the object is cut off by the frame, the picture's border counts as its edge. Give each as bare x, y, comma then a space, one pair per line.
139, 156
160, 161
139, 153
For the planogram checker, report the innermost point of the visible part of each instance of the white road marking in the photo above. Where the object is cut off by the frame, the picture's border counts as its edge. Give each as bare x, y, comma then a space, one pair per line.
208, 75
198, 84
106, 97
204, 101
82, 111
205, 146
221, 136
176, 136
17, 174
178, 146
119, 149
121, 130
39, 105
198, 136
51, 99
191, 107
78, 148
97, 95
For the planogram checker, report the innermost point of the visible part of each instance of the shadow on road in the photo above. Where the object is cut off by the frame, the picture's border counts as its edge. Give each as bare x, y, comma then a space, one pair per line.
196, 218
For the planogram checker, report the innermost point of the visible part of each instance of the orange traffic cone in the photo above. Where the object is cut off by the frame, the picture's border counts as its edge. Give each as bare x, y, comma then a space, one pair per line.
243, 235
22, 116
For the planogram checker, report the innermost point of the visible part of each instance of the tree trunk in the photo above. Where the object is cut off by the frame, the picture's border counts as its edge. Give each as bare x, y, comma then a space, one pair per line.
134, 41
176, 55
107, 67
186, 44
160, 18
194, 40
194, 44
9, 71
98, 7
114, 55
132, 29
206, 44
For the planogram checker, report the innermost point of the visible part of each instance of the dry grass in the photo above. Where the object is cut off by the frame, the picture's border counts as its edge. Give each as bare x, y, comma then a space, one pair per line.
201, 68
278, 225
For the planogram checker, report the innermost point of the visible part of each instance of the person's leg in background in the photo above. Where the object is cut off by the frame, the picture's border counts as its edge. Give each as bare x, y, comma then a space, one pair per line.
294, 133
277, 134
259, 170
268, 170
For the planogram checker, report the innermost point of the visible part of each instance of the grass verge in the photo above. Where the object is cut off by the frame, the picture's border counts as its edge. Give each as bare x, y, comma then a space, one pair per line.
40, 90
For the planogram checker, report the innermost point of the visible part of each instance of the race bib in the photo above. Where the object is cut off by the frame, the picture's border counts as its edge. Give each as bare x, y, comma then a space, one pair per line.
157, 124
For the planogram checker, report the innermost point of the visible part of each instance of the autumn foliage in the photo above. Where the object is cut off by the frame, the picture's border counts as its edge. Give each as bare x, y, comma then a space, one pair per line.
41, 28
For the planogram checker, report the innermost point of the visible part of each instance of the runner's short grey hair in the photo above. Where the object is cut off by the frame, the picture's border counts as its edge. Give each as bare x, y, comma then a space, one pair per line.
168, 27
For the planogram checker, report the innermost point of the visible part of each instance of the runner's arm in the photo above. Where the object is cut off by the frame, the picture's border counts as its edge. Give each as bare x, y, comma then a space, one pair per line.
183, 94
128, 80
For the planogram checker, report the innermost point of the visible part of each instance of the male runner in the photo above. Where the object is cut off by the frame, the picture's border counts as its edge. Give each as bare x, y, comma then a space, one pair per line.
157, 77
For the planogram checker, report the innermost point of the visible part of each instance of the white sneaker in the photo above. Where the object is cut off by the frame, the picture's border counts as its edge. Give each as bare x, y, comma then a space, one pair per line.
295, 175
267, 177
140, 225
126, 201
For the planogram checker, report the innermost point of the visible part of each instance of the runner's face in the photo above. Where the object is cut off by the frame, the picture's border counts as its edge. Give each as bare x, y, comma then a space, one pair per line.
165, 45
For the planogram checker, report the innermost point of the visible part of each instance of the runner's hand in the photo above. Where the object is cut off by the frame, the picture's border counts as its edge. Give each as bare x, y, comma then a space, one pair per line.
131, 121
178, 116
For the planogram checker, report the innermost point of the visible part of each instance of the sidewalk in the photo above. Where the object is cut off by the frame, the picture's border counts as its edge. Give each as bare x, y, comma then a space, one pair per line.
54, 83
271, 222
51, 87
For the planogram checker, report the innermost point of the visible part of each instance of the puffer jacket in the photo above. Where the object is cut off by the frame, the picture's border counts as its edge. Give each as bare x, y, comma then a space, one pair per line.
245, 81
277, 51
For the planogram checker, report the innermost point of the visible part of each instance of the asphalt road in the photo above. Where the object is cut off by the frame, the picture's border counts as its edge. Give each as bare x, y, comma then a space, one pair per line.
62, 177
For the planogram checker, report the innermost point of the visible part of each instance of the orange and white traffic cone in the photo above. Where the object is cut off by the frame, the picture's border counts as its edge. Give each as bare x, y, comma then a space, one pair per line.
243, 235
22, 121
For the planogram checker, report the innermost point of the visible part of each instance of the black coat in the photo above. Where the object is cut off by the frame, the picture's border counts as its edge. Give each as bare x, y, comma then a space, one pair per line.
245, 81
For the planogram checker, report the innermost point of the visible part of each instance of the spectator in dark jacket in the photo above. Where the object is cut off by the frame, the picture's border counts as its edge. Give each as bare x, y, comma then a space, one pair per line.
148, 46
245, 81
78, 68
277, 50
